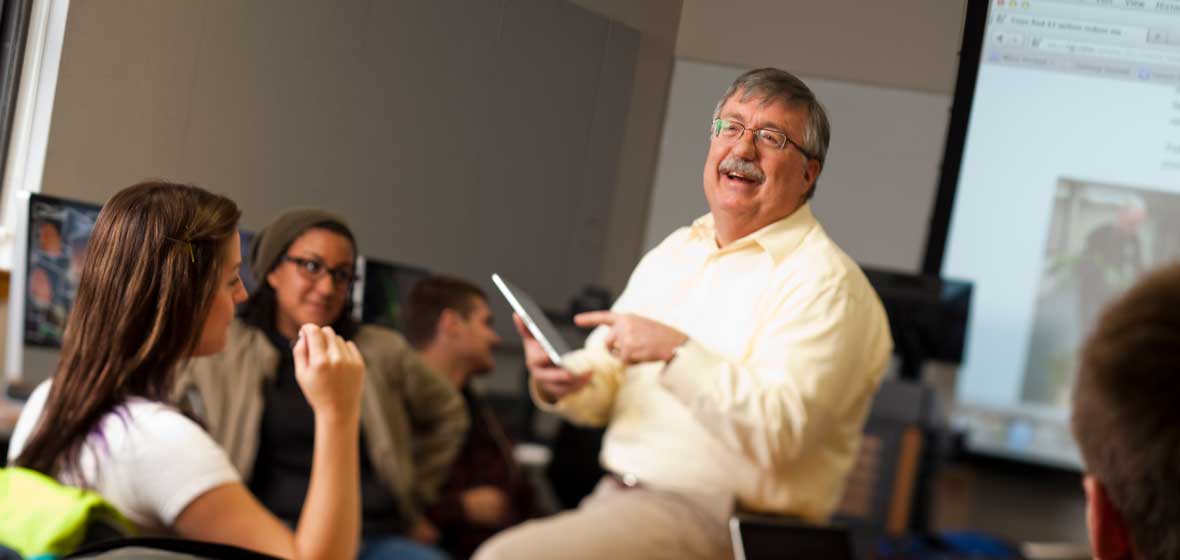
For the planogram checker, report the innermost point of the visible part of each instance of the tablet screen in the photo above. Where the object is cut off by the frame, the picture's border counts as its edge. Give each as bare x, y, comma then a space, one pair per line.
535, 319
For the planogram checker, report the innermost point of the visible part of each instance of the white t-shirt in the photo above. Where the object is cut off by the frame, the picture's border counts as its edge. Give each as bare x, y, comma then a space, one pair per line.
146, 458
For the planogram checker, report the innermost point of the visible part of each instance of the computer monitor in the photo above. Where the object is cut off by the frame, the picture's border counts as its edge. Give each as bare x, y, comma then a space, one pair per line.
384, 288
249, 282
57, 233
48, 255
927, 316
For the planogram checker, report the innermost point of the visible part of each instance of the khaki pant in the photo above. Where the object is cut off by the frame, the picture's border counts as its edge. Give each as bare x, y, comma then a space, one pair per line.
620, 522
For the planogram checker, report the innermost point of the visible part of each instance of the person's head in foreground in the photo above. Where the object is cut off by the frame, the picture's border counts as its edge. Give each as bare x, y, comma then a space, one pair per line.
1127, 422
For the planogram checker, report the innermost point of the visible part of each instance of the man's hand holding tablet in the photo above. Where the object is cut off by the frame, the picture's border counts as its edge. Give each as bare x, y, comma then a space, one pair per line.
632, 339
553, 381
543, 345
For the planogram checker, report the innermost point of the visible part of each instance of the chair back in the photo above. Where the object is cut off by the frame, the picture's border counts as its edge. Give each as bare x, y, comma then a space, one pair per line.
767, 537
879, 491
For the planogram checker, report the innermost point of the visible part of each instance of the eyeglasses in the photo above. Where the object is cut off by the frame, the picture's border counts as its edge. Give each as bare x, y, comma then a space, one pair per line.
765, 137
313, 269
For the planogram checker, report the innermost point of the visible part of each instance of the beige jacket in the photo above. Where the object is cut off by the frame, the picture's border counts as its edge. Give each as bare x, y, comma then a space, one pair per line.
412, 420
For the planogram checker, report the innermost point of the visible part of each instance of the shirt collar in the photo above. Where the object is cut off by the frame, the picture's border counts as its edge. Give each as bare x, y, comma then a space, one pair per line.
778, 238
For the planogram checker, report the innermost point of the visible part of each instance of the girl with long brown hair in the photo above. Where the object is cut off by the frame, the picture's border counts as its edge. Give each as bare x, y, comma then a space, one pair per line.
159, 286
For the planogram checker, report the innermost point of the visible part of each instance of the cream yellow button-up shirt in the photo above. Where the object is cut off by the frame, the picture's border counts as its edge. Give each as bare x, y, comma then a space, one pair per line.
766, 401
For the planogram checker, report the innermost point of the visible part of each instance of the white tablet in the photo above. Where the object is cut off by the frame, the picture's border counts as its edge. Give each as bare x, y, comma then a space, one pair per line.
534, 318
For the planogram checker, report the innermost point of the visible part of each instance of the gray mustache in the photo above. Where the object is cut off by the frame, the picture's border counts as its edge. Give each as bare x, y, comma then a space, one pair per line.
743, 168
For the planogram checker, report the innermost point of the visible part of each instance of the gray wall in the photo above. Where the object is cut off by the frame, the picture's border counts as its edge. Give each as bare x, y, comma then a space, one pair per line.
877, 188
658, 23
900, 44
465, 136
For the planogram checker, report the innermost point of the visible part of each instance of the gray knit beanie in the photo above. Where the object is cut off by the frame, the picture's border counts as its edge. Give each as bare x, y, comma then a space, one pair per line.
268, 246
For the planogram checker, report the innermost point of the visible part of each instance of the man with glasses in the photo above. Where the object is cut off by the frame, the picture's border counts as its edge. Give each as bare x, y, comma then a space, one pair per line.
737, 366
412, 422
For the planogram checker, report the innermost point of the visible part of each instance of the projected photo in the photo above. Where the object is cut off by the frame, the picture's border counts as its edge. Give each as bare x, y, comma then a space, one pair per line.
1101, 239
58, 232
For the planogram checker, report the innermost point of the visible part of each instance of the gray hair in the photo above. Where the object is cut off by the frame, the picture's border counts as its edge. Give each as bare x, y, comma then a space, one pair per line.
772, 84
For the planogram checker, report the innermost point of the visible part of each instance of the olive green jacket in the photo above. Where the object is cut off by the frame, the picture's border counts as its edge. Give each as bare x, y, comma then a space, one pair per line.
412, 420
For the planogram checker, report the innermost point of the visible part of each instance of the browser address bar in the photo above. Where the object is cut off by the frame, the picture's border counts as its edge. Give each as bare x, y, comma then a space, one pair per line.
1135, 54
1069, 27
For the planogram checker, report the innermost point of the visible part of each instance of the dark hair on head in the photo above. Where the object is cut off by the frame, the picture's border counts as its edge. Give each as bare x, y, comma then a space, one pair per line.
261, 308
774, 85
152, 269
430, 297
1125, 417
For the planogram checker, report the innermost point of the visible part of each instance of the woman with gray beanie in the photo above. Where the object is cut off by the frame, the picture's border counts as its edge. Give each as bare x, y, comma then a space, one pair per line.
412, 421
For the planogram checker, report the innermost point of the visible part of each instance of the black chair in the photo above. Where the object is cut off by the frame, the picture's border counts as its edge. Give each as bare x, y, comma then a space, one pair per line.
764, 537
878, 494
575, 471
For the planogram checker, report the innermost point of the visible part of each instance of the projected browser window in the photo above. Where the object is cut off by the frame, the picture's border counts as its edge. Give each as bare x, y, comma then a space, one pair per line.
1069, 191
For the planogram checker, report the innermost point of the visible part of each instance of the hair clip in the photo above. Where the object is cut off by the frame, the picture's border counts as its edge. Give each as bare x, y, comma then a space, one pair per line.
191, 255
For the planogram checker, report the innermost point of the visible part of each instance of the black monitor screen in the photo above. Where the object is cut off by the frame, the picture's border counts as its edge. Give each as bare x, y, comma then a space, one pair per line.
248, 280
928, 315
386, 286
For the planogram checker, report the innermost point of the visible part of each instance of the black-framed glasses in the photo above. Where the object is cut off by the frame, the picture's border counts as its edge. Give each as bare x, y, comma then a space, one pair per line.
765, 137
314, 269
